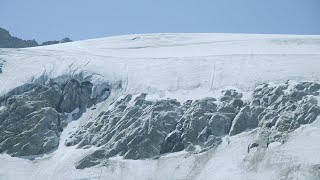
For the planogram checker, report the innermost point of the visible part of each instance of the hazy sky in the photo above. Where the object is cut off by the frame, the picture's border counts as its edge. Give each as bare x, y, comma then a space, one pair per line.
83, 19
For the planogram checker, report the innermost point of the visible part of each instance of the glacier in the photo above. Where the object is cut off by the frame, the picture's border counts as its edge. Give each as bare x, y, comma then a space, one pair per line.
168, 70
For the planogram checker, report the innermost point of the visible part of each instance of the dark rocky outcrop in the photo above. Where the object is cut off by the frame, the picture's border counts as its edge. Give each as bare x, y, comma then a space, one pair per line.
64, 40
31, 121
1, 65
136, 128
8, 41
282, 112
247, 118
172, 143
29, 124
49, 43
76, 95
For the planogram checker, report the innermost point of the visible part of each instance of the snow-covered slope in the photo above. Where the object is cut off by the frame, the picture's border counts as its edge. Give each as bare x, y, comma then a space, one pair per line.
179, 66
169, 62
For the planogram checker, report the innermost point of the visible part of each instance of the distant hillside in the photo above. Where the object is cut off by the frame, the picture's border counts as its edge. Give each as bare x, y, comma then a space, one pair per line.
9, 41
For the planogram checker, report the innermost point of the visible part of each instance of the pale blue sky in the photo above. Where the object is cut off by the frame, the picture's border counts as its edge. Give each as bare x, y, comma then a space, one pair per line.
83, 19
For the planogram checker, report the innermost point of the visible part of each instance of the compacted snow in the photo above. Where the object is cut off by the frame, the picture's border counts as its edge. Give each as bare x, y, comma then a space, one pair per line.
180, 66
166, 63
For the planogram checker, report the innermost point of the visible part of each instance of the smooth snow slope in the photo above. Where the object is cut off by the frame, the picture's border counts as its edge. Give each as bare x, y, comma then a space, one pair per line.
182, 66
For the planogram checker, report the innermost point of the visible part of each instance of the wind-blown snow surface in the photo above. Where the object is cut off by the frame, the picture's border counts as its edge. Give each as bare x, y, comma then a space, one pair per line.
181, 66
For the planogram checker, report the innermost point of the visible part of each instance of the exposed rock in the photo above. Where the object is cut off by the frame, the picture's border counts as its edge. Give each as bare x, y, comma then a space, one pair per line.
64, 40
134, 129
1, 64
8, 41
247, 118
211, 142
30, 122
17, 91
76, 95
28, 127
283, 112
49, 43
219, 124
195, 122
172, 143
138, 128
230, 94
